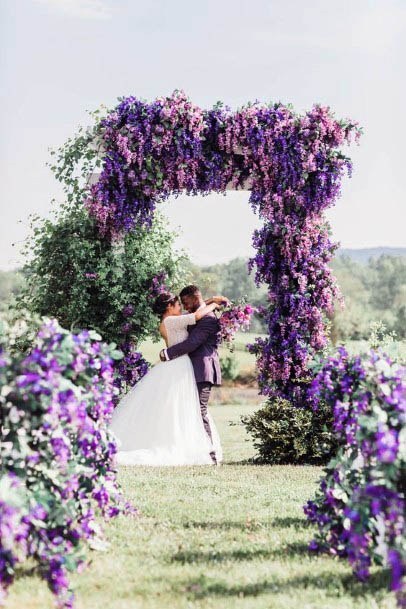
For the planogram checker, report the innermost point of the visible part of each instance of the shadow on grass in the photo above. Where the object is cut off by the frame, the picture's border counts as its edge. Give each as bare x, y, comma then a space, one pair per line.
289, 521
231, 463
203, 587
240, 554
224, 525
26, 571
275, 523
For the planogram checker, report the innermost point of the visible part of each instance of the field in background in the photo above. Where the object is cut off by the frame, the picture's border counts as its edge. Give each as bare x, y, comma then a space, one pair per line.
246, 361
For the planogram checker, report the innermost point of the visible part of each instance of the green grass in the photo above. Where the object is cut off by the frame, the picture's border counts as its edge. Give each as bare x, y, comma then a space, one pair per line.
232, 537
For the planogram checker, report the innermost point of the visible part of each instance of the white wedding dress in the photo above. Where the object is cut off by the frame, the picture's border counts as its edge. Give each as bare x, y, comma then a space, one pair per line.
158, 422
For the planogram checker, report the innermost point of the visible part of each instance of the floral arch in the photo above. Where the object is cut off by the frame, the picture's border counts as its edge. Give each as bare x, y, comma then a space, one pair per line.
292, 165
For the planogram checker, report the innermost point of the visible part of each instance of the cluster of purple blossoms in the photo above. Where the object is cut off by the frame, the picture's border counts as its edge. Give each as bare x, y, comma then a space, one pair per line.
360, 506
235, 318
293, 166
130, 369
157, 286
57, 453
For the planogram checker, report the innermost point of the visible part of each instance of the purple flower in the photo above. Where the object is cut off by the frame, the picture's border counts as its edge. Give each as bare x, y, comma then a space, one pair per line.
360, 505
128, 310
387, 444
62, 396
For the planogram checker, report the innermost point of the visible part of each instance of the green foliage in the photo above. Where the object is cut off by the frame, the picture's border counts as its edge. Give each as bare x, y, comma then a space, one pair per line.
285, 434
373, 292
233, 280
229, 367
84, 281
379, 336
74, 162
11, 283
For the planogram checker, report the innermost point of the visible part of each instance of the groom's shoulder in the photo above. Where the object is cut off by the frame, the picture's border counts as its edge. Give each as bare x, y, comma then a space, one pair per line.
207, 320
209, 317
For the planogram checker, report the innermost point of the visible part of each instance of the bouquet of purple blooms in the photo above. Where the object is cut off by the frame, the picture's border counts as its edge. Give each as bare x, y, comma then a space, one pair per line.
236, 317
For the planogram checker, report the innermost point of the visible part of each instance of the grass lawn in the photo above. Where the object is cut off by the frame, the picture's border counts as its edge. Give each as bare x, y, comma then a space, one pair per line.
232, 537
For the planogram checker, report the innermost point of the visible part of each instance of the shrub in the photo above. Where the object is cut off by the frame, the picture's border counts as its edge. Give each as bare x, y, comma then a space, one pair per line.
359, 508
284, 433
229, 367
57, 453
84, 281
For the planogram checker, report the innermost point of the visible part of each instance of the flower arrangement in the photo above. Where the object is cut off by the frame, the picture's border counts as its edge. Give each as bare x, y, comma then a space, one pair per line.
158, 285
57, 452
294, 165
359, 508
235, 318
130, 369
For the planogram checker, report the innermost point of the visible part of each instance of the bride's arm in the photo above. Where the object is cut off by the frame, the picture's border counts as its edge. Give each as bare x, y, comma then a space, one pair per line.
209, 308
220, 300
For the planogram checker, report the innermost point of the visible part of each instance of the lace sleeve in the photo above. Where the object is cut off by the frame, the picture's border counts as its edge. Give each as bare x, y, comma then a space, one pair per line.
179, 322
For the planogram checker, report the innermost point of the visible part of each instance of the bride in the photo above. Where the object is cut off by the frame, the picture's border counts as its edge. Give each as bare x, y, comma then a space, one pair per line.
159, 422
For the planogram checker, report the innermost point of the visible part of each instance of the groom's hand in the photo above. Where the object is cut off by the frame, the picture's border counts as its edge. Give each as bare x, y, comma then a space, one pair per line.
162, 356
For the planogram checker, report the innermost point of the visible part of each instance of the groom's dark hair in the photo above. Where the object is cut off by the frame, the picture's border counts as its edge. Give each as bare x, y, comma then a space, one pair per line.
189, 290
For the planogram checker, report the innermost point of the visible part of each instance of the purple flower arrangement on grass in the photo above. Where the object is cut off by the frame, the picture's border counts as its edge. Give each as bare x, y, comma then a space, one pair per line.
57, 453
293, 166
360, 506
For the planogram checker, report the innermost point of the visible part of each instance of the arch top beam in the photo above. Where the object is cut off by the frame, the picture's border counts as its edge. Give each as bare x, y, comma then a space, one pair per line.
149, 149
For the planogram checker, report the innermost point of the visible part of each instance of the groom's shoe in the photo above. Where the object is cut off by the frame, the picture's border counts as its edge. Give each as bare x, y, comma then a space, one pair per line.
213, 458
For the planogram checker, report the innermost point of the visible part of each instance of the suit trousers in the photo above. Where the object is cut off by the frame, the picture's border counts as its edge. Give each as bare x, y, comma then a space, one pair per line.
204, 390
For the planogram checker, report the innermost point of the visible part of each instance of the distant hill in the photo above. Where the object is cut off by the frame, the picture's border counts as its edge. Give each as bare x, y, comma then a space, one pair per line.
362, 255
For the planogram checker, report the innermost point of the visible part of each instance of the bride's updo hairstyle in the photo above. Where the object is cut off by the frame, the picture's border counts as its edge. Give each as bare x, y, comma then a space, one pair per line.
163, 301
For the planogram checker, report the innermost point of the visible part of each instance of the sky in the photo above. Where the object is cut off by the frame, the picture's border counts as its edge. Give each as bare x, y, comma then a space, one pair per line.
61, 58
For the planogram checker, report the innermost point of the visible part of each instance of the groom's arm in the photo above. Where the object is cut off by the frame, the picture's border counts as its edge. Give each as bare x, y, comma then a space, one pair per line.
197, 337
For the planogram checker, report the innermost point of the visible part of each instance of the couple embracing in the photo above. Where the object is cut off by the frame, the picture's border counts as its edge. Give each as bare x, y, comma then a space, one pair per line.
164, 419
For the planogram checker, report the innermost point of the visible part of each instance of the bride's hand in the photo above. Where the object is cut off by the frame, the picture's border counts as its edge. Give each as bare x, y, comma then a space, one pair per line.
221, 301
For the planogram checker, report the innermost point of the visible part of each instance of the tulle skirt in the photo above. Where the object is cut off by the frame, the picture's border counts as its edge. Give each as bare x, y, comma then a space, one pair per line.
158, 422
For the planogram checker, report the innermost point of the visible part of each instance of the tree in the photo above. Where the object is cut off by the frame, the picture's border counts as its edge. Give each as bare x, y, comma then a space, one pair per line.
11, 283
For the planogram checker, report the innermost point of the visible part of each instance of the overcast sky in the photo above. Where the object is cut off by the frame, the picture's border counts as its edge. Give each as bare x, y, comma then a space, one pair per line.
60, 58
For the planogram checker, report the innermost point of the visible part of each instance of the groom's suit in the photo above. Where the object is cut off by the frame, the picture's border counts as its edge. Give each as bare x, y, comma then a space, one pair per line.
201, 346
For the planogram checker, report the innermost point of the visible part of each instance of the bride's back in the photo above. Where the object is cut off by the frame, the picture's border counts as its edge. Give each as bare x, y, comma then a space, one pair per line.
175, 328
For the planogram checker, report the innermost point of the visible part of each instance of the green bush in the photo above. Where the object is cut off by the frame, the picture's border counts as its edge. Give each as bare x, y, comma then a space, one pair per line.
84, 281
285, 434
229, 367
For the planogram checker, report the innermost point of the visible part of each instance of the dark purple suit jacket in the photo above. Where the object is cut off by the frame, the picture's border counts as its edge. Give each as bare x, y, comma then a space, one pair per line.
201, 345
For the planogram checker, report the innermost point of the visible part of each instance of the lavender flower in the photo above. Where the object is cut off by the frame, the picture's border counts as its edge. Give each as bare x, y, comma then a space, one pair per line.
61, 395
363, 486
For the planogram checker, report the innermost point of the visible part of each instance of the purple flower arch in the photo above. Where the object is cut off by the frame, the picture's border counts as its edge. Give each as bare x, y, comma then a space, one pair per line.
293, 166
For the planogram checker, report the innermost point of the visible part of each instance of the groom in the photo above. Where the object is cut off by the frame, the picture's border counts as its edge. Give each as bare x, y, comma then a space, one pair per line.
201, 345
